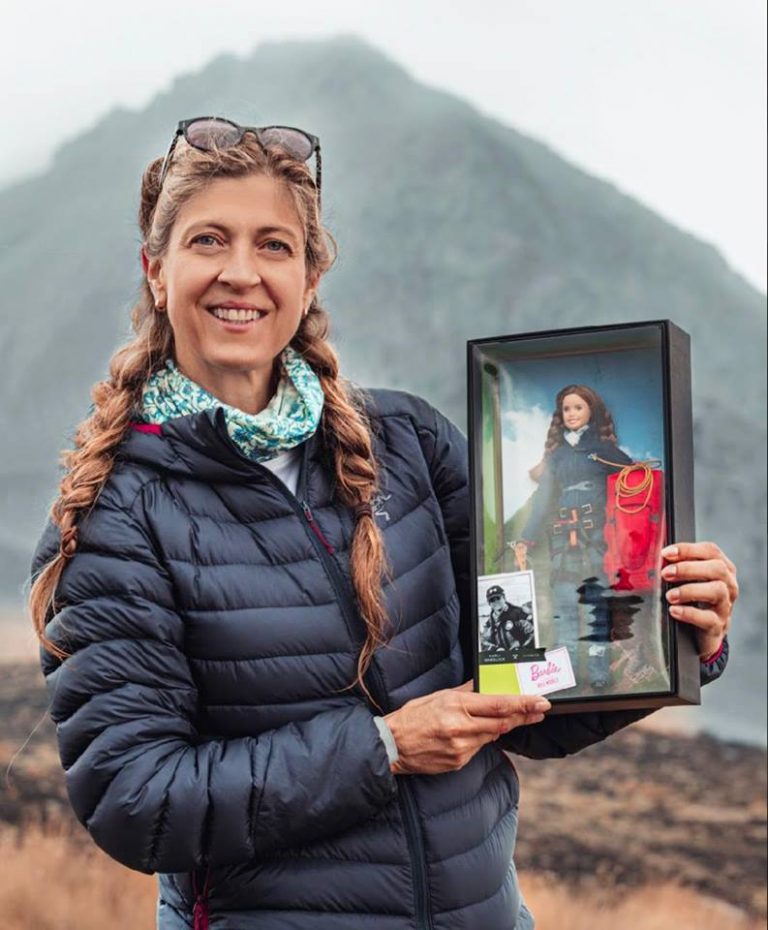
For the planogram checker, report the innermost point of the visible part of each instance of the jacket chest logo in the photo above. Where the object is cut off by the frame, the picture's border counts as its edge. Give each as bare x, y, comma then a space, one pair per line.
378, 505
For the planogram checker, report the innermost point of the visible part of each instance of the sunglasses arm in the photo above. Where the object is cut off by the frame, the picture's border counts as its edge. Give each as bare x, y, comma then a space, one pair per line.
318, 174
168, 156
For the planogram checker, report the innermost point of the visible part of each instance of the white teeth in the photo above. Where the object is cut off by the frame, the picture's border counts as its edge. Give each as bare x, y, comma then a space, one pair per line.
236, 316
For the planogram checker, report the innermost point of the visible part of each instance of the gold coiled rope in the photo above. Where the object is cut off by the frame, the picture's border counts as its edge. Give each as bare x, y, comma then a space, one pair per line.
625, 489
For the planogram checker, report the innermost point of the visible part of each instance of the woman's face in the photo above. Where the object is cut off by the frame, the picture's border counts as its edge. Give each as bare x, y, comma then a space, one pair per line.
234, 284
576, 411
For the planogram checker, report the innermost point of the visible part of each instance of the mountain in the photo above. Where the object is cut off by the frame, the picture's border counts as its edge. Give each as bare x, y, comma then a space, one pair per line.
450, 226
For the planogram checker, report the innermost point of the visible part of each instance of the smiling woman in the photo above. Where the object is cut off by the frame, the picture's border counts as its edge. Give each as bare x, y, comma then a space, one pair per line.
253, 593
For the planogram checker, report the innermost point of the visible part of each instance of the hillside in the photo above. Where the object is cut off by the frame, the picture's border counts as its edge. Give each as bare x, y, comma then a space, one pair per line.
450, 226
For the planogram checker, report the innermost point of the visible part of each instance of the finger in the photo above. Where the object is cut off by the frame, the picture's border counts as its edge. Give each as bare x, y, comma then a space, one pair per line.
697, 570
523, 720
503, 705
680, 552
493, 727
709, 621
706, 570
467, 686
711, 592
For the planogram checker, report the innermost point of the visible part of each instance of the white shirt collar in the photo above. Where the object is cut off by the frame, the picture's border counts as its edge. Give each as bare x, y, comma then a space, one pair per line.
572, 436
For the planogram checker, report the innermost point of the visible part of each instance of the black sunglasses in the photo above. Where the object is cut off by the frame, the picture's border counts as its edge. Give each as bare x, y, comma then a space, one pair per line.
213, 132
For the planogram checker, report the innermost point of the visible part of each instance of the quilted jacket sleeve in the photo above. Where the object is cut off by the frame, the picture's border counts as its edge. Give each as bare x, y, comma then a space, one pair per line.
557, 735
151, 791
445, 450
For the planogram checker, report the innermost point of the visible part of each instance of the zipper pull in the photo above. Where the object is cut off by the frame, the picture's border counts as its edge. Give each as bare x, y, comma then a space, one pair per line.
200, 912
200, 915
315, 528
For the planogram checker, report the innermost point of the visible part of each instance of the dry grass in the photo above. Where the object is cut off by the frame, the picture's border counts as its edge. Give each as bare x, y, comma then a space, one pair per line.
666, 907
17, 636
51, 882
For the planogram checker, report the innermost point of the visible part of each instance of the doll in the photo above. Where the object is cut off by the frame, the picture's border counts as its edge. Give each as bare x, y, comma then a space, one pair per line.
568, 510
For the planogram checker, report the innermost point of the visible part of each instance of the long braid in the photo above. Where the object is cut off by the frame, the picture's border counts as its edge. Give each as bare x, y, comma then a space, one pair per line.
347, 432
89, 464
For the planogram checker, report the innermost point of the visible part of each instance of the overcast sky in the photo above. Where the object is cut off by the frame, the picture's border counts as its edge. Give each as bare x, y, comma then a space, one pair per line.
665, 98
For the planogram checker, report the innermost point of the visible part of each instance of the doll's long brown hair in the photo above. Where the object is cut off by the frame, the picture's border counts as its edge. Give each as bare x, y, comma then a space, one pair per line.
345, 426
600, 419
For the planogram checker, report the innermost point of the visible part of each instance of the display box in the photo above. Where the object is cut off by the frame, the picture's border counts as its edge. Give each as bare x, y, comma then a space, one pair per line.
581, 463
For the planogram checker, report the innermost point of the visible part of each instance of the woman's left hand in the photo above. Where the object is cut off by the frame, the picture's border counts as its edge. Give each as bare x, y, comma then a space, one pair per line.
705, 590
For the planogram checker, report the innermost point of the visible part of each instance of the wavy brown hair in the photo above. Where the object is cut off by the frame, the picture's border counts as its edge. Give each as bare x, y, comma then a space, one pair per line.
599, 418
345, 426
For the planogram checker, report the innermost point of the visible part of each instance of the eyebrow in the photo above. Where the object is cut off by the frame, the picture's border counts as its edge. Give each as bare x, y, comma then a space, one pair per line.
261, 231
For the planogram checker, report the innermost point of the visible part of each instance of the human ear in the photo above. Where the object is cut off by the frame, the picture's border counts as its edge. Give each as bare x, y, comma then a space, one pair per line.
153, 269
309, 291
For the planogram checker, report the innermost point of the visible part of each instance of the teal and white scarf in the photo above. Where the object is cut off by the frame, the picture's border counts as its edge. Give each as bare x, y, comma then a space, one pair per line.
291, 416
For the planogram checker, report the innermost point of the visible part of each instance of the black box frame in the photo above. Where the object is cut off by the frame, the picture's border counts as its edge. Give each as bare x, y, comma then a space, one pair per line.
684, 662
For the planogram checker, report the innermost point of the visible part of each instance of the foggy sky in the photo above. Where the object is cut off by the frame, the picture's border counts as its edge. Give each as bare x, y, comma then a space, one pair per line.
665, 98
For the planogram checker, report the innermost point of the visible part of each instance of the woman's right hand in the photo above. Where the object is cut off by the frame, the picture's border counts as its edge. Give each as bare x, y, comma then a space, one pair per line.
441, 732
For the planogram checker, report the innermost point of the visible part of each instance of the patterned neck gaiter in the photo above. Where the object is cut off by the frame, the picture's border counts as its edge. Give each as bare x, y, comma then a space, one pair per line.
291, 416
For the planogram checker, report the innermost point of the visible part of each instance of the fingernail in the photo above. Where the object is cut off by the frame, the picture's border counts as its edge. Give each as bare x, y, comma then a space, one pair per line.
541, 705
673, 595
670, 552
669, 571
676, 611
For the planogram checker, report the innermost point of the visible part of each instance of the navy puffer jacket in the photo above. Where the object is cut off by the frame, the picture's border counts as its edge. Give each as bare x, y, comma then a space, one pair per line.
205, 719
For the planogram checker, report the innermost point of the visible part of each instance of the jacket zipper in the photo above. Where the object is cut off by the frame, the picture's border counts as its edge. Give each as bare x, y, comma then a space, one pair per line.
413, 830
415, 839
349, 611
200, 911
315, 528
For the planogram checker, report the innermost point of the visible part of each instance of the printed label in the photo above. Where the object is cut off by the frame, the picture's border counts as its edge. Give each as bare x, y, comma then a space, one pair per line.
553, 673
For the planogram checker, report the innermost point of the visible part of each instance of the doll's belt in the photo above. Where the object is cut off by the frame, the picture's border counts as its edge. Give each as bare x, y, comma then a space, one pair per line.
572, 518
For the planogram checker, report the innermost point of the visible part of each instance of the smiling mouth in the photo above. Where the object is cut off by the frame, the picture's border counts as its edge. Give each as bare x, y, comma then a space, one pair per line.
237, 316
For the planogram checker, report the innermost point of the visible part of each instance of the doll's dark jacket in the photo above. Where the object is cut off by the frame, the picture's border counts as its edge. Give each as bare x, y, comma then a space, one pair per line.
571, 478
205, 717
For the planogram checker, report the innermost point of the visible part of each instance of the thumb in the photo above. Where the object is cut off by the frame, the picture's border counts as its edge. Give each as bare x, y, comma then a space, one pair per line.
467, 686
532, 703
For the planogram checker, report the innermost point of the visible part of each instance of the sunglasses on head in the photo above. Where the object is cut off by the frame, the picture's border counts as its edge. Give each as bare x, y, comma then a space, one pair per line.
208, 133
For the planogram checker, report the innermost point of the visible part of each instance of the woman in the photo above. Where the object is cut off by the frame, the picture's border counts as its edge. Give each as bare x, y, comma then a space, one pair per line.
260, 629
568, 509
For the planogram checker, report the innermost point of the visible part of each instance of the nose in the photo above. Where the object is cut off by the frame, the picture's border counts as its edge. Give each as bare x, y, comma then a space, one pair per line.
241, 269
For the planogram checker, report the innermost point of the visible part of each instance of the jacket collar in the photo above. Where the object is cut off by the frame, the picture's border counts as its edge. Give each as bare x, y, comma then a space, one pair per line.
199, 445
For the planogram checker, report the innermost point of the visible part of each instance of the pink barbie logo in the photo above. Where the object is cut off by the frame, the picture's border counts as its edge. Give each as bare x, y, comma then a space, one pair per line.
551, 668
